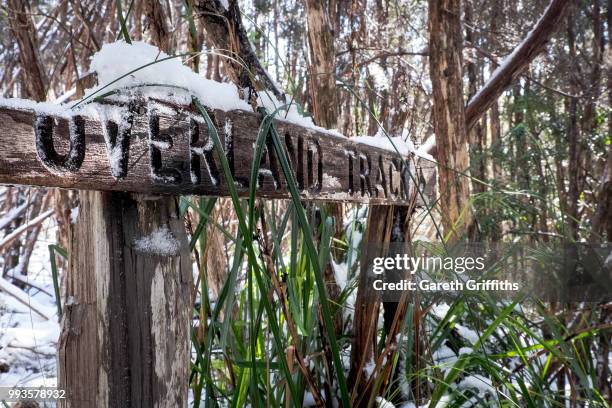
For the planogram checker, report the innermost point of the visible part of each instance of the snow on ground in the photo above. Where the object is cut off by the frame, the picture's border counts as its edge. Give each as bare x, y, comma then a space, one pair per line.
27, 341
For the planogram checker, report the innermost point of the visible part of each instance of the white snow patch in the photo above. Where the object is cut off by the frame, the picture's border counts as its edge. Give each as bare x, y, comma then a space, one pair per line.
393, 144
467, 333
159, 242
118, 59
478, 382
380, 76
440, 310
74, 214
330, 181
426, 147
444, 355
383, 403
465, 350
369, 368
168, 79
309, 400
340, 273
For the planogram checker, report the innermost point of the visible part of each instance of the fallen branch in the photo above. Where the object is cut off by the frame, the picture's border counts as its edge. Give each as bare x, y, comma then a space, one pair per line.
13, 214
24, 298
23, 280
8, 239
510, 68
516, 63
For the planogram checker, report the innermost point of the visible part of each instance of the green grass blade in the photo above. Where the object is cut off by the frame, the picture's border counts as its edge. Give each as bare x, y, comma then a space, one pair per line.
53, 250
124, 30
327, 316
247, 235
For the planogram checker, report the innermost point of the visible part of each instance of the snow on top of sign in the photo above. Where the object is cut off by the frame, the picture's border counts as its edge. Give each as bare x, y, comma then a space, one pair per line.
159, 242
426, 147
96, 111
160, 76
403, 145
157, 75
119, 59
45, 108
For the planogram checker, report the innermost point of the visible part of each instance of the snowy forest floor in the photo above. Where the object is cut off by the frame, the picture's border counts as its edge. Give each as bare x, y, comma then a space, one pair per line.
27, 341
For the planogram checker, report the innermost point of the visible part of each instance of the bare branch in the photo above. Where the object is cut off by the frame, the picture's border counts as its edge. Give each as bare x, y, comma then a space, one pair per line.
516, 63
23, 228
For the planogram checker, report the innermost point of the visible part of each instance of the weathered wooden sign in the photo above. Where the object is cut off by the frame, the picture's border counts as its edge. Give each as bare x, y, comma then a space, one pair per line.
155, 147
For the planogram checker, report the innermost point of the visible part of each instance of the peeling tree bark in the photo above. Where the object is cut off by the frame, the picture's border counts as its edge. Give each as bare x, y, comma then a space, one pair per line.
445, 47
322, 65
322, 92
22, 27
225, 30
125, 330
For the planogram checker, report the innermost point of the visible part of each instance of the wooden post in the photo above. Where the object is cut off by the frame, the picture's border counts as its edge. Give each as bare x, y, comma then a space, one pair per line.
125, 329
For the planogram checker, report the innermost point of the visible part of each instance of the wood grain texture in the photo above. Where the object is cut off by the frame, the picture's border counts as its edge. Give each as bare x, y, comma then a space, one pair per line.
157, 148
125, 330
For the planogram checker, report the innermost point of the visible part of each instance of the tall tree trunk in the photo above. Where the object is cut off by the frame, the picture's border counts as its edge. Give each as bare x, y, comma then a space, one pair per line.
602, 218
476, 135
589, 118
573, 140
322, 65
445, 47
24, 32
324, 102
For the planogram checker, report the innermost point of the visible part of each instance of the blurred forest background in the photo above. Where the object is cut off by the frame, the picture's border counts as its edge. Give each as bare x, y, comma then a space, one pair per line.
535, 166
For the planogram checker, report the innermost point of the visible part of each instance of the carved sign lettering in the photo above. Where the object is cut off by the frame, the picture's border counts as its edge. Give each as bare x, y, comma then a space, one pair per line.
164, 149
